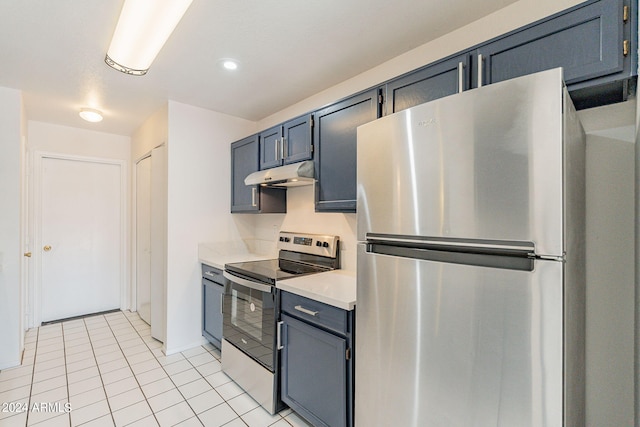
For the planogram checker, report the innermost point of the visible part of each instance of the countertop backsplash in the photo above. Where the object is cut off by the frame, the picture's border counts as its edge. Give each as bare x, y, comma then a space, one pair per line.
301, 217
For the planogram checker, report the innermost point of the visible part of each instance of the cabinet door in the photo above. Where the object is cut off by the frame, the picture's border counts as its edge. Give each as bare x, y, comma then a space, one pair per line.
335, 157
297, 139
212, 312
244, 160
314, 373
434, 81
270, 148
587, 41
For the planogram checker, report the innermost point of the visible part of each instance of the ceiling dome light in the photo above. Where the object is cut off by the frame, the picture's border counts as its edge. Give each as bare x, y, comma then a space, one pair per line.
230, 64
143, 28
91, 115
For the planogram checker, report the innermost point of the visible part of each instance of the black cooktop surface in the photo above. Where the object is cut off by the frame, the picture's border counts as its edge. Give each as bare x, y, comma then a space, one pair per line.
270, 270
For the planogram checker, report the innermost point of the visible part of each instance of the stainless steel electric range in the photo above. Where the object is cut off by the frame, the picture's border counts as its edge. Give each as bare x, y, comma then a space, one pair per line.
251, 333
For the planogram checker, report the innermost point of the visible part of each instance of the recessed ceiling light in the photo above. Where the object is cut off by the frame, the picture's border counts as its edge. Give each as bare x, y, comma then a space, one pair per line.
230, 64
91, 115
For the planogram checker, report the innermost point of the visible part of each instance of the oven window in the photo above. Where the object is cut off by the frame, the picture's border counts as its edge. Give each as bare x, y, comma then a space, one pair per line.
246, 313
249, 322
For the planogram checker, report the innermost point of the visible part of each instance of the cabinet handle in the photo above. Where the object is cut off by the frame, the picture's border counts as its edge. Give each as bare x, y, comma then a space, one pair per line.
480, 67
254, 190
285, 149
306, 310
279, 345
221, 303
460, 77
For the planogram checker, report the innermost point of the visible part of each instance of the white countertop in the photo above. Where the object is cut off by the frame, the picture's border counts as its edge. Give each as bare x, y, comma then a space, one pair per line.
336, 288
218, 261
218, 254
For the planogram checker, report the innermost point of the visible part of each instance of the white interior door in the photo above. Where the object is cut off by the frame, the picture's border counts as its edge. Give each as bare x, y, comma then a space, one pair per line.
143, 239
80, 245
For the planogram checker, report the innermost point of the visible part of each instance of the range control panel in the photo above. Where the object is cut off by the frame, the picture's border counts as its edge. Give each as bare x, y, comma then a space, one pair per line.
316, 244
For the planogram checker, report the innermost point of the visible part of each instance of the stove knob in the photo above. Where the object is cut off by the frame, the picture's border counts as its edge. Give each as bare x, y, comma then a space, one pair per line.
281, 239
325, 245
287, 240
318, 243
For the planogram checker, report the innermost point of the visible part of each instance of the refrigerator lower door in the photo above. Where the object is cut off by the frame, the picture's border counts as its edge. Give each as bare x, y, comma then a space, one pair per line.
443, 344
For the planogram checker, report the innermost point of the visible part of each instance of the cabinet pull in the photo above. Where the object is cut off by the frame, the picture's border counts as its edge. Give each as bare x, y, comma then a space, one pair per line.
285, 149
254, 190
221, 303
279, 345
306, 310
460, 77
480, 67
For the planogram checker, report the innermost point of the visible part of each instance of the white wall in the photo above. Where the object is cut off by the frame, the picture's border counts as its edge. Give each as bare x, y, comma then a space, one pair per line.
11, 133
152, 133
198, 209
77, 142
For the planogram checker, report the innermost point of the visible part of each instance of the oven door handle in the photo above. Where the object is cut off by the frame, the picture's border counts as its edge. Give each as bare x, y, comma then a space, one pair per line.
248, 283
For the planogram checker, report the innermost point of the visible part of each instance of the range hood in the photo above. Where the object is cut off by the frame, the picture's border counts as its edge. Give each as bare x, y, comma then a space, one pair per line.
294, 175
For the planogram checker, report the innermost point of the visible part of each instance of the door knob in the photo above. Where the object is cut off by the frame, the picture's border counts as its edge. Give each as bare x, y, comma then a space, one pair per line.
27, 254
47, 248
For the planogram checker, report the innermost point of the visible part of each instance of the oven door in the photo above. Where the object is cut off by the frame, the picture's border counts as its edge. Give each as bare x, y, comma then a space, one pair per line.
249, 319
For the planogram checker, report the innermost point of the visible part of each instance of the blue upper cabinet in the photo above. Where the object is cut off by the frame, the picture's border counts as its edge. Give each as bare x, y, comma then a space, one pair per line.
270, 150
434, 81
252, 199
288, 143
298, 139
335, 157
590, 41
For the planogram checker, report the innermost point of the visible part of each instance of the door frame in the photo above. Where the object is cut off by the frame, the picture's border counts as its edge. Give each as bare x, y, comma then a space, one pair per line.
133, 294
36, 284
133, 297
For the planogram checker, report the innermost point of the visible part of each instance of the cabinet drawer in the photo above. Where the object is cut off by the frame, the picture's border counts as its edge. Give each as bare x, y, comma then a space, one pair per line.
315, 312
213, 274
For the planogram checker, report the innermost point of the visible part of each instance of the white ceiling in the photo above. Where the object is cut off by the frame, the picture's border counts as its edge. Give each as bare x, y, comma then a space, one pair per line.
53, 50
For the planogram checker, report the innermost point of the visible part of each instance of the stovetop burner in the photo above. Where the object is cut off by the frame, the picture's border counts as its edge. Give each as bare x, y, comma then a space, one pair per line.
300, 254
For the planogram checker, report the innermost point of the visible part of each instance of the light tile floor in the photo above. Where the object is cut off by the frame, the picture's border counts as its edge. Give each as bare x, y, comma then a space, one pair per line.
106, 370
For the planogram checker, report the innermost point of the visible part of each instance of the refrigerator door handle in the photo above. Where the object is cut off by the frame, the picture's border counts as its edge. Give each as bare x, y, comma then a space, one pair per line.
494, 246
477, 259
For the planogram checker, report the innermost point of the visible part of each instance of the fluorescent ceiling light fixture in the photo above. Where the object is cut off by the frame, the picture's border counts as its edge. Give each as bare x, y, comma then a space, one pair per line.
143, 28
91, 115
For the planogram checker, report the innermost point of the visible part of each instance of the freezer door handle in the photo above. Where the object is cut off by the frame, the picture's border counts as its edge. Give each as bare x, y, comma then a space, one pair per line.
508, 262
443, 243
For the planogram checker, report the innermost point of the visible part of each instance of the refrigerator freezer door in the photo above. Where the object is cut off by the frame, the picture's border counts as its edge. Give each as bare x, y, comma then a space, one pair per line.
485, 164
450, 345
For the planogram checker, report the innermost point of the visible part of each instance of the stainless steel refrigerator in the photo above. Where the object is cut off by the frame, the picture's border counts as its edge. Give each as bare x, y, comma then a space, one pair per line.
471, 261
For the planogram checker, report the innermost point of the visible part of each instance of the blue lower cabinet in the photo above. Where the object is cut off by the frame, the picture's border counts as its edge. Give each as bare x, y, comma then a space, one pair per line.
317, 372
212, 298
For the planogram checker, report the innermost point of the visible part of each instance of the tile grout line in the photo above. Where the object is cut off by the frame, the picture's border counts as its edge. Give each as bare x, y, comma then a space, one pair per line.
33, 374
66, 371
168, 376
99, 373
129, 365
